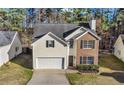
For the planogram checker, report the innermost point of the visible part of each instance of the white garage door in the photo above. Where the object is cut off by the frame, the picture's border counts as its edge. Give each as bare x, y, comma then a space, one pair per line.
49, 63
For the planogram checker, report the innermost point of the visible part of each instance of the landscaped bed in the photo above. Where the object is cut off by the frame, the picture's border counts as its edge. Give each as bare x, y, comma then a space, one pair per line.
111, 73
17, 71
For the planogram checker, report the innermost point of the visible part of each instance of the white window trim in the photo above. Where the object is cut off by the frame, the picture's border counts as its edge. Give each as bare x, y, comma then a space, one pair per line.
88, 44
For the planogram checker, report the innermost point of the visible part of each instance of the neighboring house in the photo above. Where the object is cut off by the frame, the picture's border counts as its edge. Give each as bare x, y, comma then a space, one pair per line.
10, 46
58, 46
119, 47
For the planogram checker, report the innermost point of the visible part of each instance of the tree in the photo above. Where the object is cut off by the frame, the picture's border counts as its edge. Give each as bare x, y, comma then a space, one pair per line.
16, 18
12, 19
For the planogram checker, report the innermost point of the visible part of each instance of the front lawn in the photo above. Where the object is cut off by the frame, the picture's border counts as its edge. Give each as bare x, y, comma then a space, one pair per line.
111, 73
17, 71
78, 79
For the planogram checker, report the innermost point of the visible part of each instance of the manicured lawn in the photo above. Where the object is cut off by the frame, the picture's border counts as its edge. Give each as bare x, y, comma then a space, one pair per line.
78, 79
111, 73
17, 71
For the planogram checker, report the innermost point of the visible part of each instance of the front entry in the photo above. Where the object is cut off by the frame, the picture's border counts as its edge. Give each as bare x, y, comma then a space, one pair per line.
70, 60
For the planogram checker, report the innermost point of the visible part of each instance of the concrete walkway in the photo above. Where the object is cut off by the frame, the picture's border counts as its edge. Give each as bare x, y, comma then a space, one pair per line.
48, 77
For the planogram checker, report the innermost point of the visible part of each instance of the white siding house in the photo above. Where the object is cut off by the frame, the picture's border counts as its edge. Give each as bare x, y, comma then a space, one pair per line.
55, 57
119, 47
15, 48
10, 46
4, 57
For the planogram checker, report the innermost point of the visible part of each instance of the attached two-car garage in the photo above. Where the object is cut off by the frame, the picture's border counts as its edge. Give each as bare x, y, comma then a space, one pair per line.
50, 63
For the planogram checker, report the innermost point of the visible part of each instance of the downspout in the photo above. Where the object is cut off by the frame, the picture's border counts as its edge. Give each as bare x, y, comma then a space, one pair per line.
67, 56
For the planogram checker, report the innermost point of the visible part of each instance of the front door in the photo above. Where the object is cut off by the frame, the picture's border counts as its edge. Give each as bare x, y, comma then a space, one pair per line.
70, 60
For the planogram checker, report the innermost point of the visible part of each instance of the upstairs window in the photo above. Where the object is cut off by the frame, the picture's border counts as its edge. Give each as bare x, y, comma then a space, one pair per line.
87, 44
49, 43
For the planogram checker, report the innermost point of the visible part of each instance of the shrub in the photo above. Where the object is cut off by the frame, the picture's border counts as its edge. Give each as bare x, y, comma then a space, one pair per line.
95, 67
87, 67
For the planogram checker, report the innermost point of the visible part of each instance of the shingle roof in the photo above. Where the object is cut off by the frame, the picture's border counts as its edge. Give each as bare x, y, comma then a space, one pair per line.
65, 34
60, 30
79, 34
83, 31
57, 29
86, 25
6, 37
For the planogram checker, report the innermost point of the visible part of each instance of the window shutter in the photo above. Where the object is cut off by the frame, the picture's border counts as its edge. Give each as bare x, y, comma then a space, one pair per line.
93, 43
81, 44
53, 43
80, 59
46, 43
93, 60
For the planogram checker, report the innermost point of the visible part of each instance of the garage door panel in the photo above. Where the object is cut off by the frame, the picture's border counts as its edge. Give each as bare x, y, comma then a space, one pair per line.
49, 63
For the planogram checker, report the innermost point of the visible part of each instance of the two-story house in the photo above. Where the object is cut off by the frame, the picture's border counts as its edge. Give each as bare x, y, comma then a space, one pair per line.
58, 46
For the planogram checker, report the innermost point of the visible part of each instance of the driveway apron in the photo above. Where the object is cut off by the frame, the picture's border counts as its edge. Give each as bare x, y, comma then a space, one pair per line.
48, 77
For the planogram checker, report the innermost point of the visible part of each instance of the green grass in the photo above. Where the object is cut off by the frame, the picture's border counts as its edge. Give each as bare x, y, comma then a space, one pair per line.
91, 79
108, 63
15, 72
111, 62
78, 79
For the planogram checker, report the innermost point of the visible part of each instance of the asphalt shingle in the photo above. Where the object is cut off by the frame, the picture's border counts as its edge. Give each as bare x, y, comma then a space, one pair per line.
57, 29
6, 37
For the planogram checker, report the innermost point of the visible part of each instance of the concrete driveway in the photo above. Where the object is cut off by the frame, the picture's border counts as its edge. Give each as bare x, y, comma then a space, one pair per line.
48, 77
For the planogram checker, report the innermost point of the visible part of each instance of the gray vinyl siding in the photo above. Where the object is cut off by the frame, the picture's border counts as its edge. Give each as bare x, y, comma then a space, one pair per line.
119, 47
16, 43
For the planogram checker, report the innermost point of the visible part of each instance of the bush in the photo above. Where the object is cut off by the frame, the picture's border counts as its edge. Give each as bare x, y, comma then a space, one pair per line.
87, 67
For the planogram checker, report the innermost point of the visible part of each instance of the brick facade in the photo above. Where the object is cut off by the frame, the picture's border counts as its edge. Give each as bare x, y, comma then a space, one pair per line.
87, 52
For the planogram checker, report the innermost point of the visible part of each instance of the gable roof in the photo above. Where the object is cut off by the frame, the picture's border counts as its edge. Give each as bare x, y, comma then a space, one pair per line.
53, 36
65, 34
122, 37
86, 25
60, 30
6, 37
57, 29
80, 33
89, 31
57, 38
